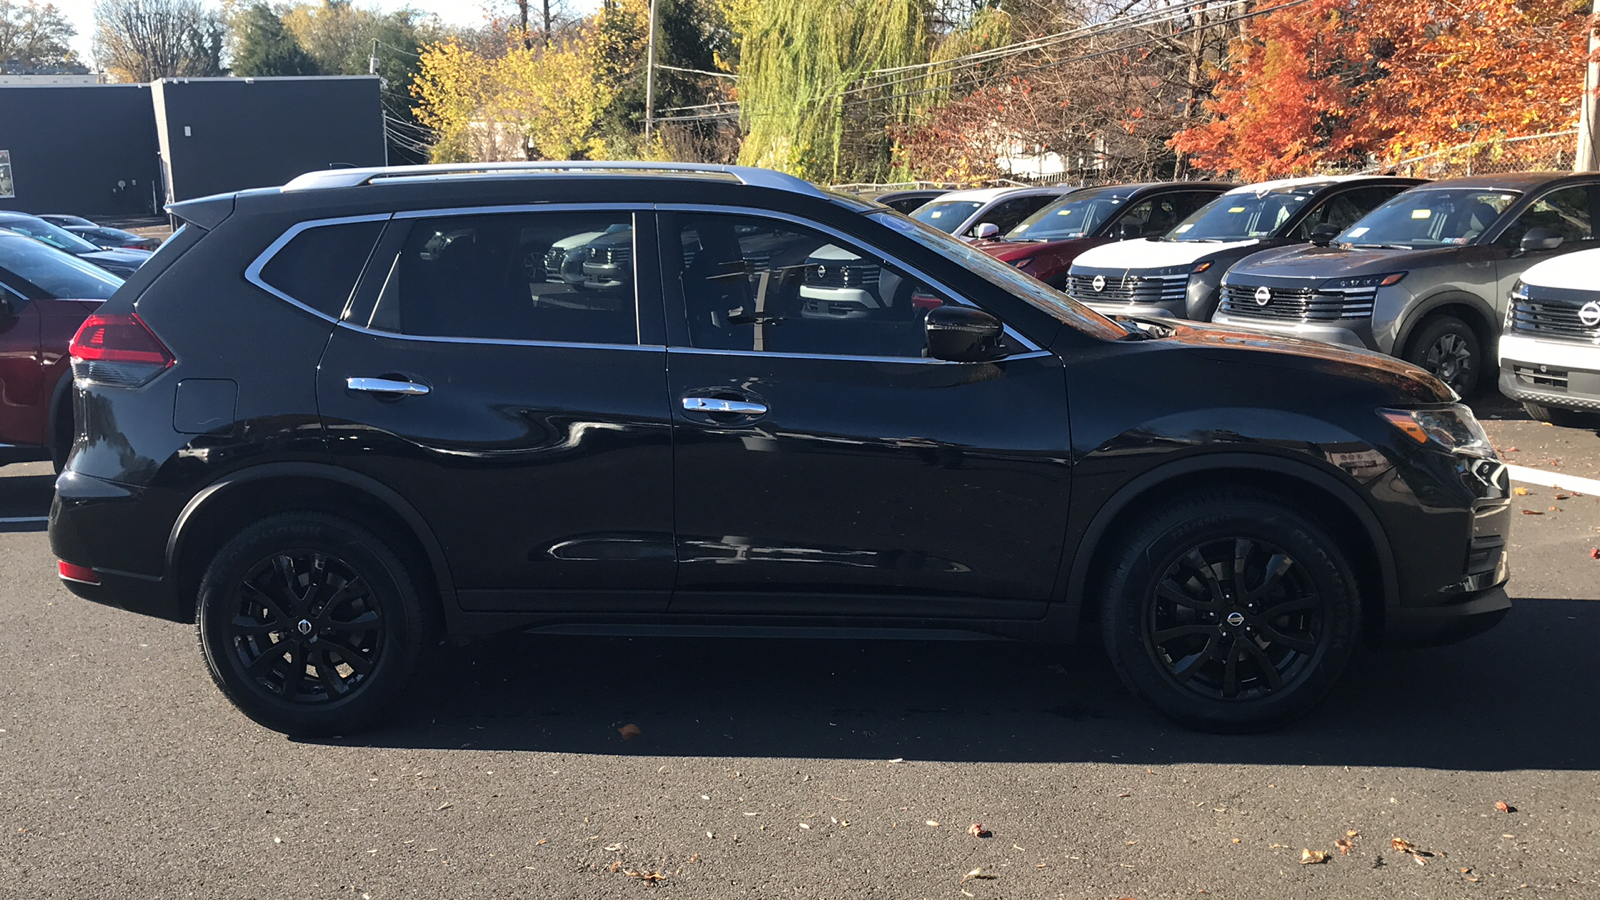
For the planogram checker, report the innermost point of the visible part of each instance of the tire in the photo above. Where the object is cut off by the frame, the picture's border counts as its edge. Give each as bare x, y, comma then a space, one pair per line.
1449, 349
1304, 629
366, 639
1555, 415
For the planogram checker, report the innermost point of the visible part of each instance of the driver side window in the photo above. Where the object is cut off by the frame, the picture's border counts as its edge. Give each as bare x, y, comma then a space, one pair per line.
762, 285
1566, 212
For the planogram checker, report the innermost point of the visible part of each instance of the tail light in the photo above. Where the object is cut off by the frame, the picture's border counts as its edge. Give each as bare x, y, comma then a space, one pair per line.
118, 350
925, 301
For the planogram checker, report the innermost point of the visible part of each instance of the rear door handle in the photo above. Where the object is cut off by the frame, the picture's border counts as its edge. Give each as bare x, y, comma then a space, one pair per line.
387, 386
718, 405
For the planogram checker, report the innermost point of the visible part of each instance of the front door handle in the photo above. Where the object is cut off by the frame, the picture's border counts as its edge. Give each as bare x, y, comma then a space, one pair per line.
387, 386
718, 405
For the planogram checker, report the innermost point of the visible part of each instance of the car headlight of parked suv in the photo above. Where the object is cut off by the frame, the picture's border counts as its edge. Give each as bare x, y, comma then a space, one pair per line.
1453, 429
1363, 281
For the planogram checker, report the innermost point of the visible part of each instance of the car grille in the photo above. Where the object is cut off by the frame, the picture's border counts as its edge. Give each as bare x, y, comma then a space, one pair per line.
1550, 318
554, 259
842, 276
611, 256
1130, 289
1297, 304
1543, 377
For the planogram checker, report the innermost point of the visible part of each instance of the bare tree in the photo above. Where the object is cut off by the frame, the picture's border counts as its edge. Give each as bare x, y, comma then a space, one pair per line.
142, 40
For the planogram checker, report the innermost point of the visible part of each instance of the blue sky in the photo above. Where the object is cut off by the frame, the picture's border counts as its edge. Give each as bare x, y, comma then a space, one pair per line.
453, 12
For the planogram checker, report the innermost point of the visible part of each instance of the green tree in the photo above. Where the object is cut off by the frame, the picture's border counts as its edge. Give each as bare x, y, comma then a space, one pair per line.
264, 47
33, 34
690, 34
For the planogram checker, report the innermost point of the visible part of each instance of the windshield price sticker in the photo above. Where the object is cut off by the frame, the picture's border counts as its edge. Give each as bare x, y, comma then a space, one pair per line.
1358, 232
1421, 213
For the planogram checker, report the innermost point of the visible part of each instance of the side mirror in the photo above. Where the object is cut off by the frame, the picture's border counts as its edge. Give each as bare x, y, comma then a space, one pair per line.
1540, 239
1130, 230
1323, 234
962, 334
985, 231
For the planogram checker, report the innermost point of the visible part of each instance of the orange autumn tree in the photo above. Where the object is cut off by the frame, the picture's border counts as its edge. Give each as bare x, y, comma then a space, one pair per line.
1328, 83
1279, 106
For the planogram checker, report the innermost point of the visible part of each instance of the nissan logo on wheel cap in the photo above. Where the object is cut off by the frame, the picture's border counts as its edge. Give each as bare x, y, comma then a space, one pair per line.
1099, 283
1589, 314
1263, 296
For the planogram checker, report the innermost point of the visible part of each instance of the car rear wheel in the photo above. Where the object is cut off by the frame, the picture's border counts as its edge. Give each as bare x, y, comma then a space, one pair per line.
310, 624
1230, 611
1449, 348
1555, 415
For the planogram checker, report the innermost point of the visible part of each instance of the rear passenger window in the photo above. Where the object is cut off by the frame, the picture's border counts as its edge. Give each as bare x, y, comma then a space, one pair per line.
319, 266
550, 276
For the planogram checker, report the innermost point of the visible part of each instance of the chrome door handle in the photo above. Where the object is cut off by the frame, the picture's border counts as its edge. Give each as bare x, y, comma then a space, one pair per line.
387, 386
718, 405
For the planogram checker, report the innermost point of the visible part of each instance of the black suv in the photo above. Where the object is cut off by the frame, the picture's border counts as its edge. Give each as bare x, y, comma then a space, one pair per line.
335, 422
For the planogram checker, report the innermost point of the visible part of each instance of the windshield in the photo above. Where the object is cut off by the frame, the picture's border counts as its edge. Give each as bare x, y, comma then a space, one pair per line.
55, 236
1006, 277
55, 273
1243, 215
1429, 218
946, 215
1080, 213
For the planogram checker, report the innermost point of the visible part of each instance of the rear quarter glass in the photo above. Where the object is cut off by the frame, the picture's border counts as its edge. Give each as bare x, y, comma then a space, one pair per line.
318, 266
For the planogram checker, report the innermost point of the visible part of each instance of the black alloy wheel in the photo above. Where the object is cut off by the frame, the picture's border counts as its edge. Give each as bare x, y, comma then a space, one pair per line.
311, 625
306, 628
1235, 619
1449, 349
1229, 610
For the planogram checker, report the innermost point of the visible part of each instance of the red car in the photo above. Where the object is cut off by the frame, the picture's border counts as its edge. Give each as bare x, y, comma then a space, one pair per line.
1045, 244
45, 295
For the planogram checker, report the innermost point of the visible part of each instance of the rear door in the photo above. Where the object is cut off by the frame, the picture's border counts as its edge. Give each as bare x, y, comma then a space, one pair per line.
824, 465
21, 378
499, 370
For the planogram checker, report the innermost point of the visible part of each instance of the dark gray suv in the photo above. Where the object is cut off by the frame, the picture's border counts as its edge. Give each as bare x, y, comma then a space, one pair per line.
1425, 276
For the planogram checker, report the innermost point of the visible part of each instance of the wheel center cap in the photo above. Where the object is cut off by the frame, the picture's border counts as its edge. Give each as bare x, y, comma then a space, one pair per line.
1236, 619
305, 624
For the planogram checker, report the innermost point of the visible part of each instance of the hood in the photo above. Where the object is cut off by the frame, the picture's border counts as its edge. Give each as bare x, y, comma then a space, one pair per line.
1141, 253
831, 253
1010, 250
1313, 262
1571, 271
1404, 382
123, 259
576, 240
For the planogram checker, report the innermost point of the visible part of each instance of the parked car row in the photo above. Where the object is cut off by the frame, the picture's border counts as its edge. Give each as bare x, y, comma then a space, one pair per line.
1431, 272
119, 261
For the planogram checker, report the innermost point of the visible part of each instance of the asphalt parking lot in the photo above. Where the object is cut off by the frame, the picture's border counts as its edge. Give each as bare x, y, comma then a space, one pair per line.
809, 768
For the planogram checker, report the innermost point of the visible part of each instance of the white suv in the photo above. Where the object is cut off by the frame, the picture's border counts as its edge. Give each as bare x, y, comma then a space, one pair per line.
1550, 349
962, 212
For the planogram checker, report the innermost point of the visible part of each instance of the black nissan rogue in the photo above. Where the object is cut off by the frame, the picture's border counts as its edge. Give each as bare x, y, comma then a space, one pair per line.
335, 422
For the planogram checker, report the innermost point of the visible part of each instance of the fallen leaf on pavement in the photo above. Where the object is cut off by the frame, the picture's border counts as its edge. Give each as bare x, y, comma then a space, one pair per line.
973, 874
628, 731
804, 826
1532, 512
541, 842
1312, 857
1352, 833
1520, 492
647, 877
931, 823
1563, 496
1345, 845
1594, 553
1504, 806
445, 805
977, 830
1401, 844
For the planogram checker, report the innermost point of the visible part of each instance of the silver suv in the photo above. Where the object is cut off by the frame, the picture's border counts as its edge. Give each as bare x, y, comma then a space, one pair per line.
1425, 276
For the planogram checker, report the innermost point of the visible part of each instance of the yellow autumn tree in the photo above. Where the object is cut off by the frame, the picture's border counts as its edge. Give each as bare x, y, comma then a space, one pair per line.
527, 103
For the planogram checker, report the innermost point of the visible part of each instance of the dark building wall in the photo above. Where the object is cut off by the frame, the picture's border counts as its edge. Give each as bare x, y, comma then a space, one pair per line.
228, 134
81, 149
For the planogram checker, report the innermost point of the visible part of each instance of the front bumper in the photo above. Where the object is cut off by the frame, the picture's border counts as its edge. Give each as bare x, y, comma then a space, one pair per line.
1355, 333
1563, 374
1432, 626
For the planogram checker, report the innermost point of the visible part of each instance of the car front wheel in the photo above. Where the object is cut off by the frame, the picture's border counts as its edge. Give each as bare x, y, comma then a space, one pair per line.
1230, 611
310, 624
1449, 349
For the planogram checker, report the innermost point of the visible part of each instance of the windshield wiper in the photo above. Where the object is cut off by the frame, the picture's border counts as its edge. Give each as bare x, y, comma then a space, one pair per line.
1382, 246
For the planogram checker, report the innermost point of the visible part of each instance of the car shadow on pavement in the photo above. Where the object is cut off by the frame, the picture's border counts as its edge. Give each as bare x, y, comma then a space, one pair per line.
1517, 697
26, 495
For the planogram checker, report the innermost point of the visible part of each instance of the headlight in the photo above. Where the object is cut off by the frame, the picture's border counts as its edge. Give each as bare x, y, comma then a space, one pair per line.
1453, 429
1363, 281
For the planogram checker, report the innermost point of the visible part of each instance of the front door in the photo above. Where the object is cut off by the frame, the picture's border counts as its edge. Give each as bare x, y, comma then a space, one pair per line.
499, 371
823, 464
1567, 211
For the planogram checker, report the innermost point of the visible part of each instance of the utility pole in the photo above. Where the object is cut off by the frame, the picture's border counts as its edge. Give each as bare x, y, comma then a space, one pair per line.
650, 78
1587, 158
372, 61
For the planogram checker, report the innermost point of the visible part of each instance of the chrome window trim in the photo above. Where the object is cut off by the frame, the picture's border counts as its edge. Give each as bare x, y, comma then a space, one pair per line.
1030, 346
498, 342
252, 273
911, 360
507, 209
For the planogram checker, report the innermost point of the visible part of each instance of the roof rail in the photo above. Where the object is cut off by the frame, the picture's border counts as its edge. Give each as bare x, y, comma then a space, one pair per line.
342, 178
